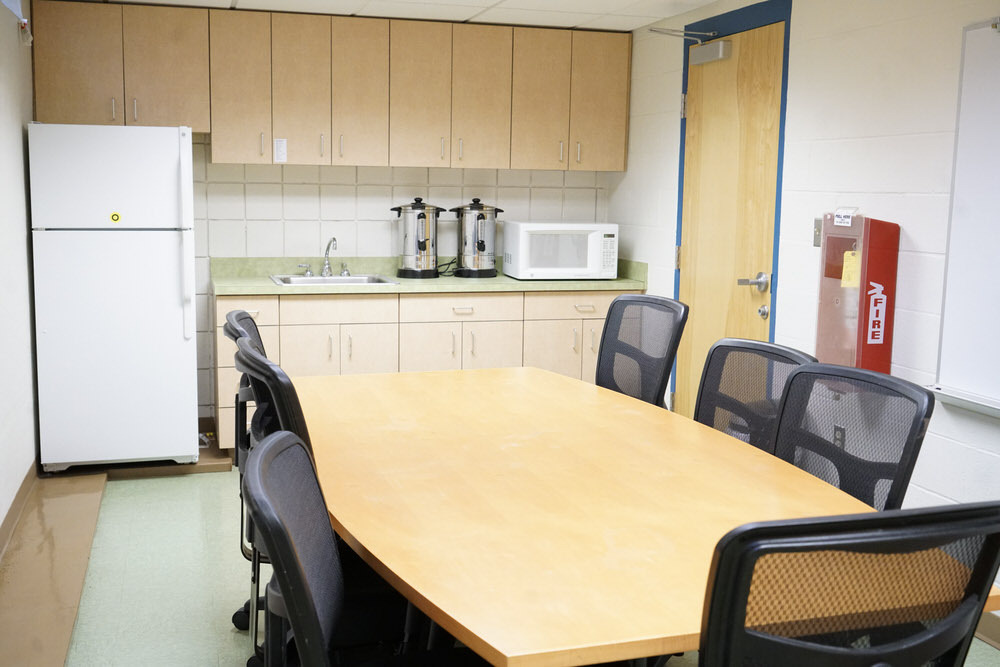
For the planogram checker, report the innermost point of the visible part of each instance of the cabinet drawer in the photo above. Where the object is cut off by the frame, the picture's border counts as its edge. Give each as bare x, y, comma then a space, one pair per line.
460, 307
345, 309
225, 348
263, 309
227, 382
567, 305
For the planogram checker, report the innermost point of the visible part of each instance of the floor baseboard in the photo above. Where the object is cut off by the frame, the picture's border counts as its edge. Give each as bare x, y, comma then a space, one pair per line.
989, 629
16, 507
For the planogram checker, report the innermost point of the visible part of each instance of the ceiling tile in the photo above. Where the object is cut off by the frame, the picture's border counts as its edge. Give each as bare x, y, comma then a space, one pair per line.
530, 17
569, 6
616, 22
315, 6
411, 10
663, 8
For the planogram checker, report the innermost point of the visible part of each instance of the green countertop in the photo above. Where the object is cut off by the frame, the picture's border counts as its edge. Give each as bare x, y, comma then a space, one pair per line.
232, 276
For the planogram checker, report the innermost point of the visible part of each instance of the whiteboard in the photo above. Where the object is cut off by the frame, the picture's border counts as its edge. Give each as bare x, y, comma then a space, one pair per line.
969, 359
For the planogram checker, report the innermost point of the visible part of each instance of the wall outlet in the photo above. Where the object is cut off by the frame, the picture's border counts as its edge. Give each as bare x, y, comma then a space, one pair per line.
839, 436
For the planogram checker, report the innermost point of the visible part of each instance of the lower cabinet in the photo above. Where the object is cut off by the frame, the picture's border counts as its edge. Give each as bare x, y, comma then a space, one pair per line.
328, 334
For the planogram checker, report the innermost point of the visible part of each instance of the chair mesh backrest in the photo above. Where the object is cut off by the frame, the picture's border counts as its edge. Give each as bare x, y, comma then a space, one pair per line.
287, 507
639, 344
238, 324
856, 429
899, 587
275, 396
741, 386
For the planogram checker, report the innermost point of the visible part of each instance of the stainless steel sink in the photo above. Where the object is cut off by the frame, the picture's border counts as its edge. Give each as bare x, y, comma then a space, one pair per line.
360, 279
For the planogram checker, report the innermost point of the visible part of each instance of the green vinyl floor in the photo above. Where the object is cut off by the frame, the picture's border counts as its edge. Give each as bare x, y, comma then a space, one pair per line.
166, 575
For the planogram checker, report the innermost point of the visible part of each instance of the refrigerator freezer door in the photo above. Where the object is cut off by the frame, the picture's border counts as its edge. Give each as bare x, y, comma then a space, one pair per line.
106, 177
117, 377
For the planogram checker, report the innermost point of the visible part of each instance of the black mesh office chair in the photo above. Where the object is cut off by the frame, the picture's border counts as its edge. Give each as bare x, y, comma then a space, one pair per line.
307, 593
639, 344
741, 385
902, 587
856, 429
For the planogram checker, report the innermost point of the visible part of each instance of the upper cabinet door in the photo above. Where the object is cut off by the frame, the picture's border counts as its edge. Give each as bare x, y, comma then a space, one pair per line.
360, 91
480, 96
300, 86
241, 86
78, 63
599, 107
540, 99
166, 67
419, 94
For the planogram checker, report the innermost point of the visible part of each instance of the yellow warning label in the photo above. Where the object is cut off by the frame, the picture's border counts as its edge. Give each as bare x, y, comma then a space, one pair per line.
115, 217
851, 276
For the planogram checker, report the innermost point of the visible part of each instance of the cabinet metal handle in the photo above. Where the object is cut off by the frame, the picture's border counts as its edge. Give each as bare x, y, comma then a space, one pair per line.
574, 339
442, 148
593, 340
561, 146
135, 109
472, 337
453, 343
329, 352
261, 143
350, 346
460, 148
462, 310
588, 307
578, 152
321, 146
341, 145
113, 114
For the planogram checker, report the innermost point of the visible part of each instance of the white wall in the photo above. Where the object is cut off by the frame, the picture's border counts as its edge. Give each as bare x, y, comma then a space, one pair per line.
871, 112
291, 211
17, 417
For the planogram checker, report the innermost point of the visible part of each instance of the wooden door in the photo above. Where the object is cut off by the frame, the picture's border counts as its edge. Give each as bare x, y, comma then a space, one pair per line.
166, 66
360, 70
430, 346
598, 126
491, 344
730, 179
240, 58
300, 86
78, 63
310, 349
480, 96
369, 348
554, 345
419, 94
540, 93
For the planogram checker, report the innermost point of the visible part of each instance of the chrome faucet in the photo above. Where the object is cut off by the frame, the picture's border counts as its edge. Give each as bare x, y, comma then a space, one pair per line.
332, 243
343, 269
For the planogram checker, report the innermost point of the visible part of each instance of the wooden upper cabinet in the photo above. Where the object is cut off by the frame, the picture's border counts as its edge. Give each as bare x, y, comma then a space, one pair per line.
599, 104
241, 86
539, 131
78, 63
480, 96
300, 86
419, 94
360, 91
166, 66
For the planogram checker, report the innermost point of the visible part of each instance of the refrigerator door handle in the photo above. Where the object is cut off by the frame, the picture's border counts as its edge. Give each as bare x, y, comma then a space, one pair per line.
185, 189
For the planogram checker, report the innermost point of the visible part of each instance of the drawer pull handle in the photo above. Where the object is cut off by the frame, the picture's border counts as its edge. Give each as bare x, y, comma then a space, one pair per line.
453, 343
574, 339
350, 347
462, 310
329, 352
472, 337
586, 307
593, 339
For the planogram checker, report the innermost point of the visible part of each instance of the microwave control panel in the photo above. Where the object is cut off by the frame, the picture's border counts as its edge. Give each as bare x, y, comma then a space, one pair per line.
609, 247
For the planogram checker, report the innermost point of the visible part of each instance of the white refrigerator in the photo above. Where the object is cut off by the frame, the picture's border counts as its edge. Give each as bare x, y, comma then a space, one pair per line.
113, 254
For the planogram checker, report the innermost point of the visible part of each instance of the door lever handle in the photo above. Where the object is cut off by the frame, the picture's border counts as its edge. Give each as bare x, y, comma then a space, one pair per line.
760, 281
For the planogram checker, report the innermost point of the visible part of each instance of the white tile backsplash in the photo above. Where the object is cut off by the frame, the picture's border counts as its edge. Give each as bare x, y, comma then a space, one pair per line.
579, 204
302, 239
486, 193
440, 176
515, 202
265, 238
346, 233
514, 177
405, 194
375, 175
224, 173
374, 236
546, 203
227, 238
480, 177
547, 178
374, 202
338, 202
409, 175
263, 201
300, 173
338, 175
300, 202
201, 238
225, 201
263, 173
200, 200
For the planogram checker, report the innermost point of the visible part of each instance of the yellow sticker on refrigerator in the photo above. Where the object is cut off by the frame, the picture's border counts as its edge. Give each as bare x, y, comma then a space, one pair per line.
116, 217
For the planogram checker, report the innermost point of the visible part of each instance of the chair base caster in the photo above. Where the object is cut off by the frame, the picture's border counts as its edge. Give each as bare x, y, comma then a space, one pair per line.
241, 618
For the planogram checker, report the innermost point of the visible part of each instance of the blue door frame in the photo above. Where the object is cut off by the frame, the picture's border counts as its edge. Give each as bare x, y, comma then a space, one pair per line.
740, 20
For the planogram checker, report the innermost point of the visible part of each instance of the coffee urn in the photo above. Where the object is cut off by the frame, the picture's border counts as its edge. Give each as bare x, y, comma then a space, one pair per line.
418, 233
476, 240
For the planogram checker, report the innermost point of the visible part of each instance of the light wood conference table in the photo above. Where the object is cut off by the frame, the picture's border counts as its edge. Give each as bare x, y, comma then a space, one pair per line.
540, 519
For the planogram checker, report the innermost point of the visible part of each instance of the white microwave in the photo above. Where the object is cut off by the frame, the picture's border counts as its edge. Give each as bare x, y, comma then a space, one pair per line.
560, 250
